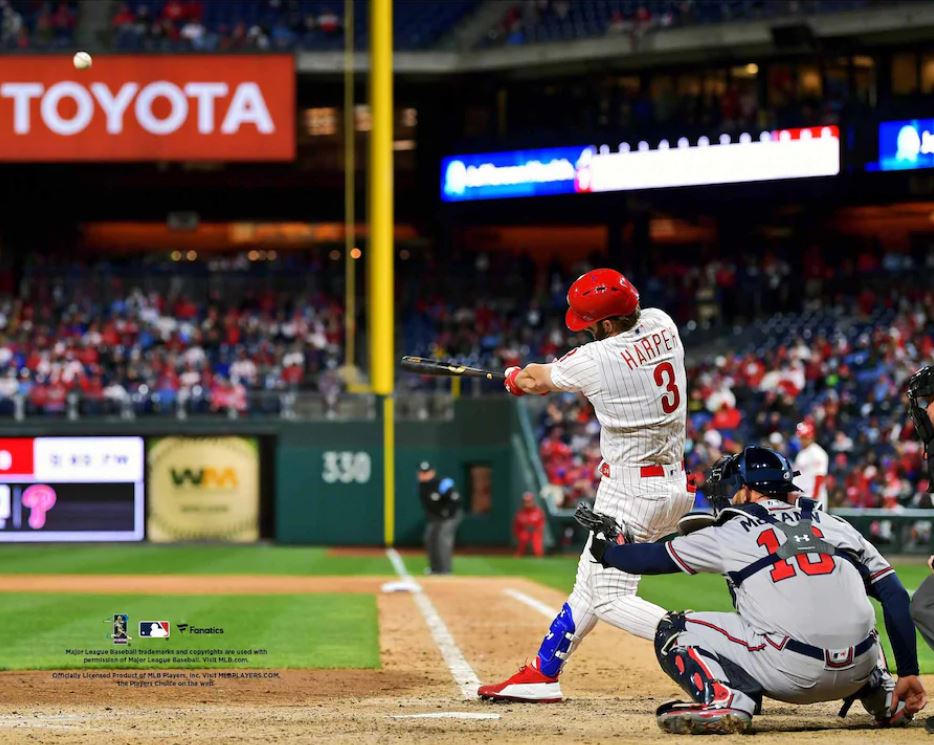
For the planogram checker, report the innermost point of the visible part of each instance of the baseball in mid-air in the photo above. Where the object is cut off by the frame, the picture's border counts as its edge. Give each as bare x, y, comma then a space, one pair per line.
82, 60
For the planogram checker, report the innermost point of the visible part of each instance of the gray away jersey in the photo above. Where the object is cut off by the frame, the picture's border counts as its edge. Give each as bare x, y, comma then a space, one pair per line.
814, 598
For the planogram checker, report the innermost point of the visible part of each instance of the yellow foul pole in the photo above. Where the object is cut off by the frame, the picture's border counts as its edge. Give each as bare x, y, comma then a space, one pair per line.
350, 220
381, 311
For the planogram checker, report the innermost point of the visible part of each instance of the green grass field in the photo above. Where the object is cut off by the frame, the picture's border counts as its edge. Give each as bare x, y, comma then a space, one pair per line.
313, 631
153, 559
297, 631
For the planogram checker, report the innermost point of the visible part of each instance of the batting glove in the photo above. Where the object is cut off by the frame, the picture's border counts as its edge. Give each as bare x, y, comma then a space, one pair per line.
510, 382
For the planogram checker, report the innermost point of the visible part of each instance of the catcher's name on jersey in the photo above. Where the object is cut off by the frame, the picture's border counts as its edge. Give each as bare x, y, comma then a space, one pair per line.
638, 388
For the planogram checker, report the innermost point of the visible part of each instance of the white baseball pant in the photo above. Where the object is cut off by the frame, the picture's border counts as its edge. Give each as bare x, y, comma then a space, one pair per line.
650, 505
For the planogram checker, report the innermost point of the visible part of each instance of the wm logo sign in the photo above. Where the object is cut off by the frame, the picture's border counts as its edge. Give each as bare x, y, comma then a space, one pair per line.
204, 478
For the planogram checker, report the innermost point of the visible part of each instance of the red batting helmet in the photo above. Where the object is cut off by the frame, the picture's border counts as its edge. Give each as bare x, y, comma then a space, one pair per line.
805, 429
599, 294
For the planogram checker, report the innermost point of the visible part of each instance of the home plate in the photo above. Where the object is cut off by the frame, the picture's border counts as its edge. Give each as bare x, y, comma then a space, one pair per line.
402, 585
448, 715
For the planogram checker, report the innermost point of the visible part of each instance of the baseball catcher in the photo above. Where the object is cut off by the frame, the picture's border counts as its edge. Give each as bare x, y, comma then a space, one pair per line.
803, 630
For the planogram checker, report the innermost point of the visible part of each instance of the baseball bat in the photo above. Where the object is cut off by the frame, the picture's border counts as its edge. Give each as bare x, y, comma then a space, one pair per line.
447, 368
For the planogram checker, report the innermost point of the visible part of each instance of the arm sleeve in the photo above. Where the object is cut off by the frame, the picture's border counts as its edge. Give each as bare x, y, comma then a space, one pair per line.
576, 371
698, 552
640, 558
895, 610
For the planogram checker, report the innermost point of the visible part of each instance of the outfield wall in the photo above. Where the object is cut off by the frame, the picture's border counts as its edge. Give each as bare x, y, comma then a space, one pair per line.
297, 482
318, 482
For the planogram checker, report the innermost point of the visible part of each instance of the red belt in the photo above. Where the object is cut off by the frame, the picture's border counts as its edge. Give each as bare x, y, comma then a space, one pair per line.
645, 472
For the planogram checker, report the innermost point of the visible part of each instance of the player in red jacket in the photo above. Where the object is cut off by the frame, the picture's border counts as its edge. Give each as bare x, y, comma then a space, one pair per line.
528, 526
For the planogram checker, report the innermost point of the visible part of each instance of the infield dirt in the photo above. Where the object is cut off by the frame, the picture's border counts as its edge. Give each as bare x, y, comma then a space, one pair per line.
612, 684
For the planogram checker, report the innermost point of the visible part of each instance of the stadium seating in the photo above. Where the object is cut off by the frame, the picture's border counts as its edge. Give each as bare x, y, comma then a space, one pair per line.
843, 372
537, 21
149, 336
275, 24
418, 24
25, 24
158, 337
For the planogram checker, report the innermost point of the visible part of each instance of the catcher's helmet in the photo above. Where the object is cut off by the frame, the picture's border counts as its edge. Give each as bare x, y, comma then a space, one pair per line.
763, 469
599, 294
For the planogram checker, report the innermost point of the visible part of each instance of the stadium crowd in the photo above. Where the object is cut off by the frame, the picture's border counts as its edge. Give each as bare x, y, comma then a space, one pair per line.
841, 371
36, 24
113, 338
531, 21
216, 335
179, 25
834, 350
229, 25
218, 25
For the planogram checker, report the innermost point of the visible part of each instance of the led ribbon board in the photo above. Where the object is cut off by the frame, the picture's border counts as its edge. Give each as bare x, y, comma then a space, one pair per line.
779, 154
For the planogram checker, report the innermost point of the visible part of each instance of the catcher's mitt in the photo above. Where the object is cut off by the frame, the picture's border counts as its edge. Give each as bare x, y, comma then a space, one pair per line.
597, 523
604, 528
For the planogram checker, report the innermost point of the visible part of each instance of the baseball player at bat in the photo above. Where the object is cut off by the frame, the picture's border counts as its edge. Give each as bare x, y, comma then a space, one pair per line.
803, 630
633, 375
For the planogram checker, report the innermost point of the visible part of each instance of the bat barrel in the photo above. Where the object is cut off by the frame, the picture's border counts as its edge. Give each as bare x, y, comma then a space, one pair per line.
446, 368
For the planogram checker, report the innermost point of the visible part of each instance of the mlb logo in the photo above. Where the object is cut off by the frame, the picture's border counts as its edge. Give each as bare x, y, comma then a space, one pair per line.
838, 659
154, 629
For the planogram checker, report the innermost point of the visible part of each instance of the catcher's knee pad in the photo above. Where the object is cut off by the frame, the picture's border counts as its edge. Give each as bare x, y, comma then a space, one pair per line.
557, 645
667, 631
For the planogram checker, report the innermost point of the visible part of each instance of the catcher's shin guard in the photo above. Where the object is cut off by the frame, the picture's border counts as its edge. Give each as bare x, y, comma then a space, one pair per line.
557, 645
717, 707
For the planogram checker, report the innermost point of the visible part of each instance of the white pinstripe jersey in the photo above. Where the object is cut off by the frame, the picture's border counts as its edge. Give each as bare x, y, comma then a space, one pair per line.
814, 598
812, 462
638, 388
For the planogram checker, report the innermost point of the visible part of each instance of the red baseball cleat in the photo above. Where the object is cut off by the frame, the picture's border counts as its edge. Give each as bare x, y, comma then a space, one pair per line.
529, 686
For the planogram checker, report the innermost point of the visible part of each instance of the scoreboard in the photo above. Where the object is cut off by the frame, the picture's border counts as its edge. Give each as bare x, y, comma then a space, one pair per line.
71, 489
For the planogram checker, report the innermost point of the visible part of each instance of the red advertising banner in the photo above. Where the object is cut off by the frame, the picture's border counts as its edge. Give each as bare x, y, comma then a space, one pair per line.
143, 108
16, 457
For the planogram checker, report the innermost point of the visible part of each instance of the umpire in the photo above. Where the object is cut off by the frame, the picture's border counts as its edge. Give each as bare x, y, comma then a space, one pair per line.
921, 410
442, 505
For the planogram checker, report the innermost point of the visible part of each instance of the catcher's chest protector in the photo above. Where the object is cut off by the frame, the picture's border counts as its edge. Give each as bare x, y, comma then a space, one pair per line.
801, 538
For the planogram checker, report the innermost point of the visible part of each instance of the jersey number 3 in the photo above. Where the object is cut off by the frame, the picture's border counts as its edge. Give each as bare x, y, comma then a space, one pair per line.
665, 378
785, 569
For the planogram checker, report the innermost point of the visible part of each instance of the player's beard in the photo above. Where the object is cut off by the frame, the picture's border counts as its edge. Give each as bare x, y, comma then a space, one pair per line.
597, 331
